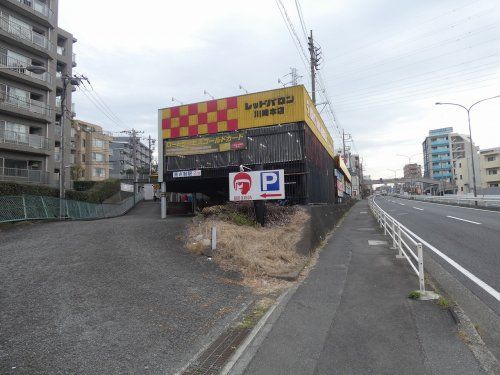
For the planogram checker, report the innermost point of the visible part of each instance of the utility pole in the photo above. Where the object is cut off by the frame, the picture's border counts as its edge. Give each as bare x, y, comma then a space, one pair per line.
67, 80
315, 54
295, 76
345, 138
151, 142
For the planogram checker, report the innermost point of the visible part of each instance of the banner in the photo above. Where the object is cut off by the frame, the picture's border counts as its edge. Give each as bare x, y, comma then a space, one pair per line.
206, 145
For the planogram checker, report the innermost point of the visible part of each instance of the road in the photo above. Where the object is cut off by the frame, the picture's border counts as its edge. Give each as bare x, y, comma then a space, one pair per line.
109, 296
468, 236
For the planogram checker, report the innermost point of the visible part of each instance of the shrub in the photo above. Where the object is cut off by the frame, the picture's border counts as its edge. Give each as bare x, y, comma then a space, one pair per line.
14, 188
99, 192
83, 185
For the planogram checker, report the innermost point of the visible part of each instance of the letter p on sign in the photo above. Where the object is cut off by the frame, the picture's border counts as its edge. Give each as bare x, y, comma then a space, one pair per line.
269, 181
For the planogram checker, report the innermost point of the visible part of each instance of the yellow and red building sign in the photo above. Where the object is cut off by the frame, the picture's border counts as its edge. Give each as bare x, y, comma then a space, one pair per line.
267, 108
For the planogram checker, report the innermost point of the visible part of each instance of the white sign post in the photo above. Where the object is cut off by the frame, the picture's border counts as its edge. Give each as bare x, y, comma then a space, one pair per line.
257, 185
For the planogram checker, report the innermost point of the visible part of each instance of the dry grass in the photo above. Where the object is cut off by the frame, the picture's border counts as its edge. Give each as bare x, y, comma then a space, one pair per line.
258, 253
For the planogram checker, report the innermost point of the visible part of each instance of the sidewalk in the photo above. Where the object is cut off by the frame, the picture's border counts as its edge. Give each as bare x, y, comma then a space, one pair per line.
352, 316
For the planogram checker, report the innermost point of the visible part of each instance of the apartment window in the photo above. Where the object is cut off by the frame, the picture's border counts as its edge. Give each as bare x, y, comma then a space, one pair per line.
98, 172
99, 143
493, 185
461, 188
492, 171
83, 142
461, 177
459, 165
83, 158
491, 158
97, 157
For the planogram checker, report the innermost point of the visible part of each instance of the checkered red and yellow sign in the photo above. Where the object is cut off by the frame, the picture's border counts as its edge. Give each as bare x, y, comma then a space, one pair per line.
267, 108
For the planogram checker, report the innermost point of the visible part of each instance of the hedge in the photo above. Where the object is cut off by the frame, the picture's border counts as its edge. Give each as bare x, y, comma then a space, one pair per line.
14, 188
99, 191
83, 185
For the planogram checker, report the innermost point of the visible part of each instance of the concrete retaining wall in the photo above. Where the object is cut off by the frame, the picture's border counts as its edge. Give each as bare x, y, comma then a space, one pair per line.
323, 220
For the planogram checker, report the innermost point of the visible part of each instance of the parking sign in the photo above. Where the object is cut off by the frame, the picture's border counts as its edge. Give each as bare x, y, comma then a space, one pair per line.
257, 185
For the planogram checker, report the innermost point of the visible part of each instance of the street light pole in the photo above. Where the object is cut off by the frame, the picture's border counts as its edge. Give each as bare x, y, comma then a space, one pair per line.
470, 136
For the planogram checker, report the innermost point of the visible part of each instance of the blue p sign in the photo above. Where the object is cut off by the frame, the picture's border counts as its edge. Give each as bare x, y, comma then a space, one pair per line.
269, 181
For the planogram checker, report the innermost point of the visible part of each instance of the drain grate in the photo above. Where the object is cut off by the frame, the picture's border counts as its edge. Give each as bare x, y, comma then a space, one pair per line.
213, 359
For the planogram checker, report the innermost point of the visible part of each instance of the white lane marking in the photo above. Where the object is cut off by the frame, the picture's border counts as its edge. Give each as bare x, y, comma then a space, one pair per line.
450, 205
417, 208
376, 243
402, 204
465, 272
468, 221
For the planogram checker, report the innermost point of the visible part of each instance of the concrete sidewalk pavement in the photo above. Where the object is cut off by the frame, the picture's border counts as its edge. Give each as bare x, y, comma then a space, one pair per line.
351, 315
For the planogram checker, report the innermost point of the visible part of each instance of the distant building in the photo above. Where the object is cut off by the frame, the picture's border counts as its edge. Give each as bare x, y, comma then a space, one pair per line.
412, 170
441, 149
356, 169
30, 101
122, 159
90, 152
490, 168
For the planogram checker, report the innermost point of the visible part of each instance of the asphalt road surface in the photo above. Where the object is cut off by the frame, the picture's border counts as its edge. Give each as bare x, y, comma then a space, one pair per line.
469, 237
114, 296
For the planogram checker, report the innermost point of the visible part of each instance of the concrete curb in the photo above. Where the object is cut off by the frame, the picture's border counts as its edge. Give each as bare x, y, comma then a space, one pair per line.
244, 354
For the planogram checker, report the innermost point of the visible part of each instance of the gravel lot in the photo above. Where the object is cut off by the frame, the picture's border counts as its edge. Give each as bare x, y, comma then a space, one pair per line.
110, 296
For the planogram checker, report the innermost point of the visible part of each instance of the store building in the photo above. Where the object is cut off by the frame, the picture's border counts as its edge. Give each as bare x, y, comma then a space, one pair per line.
276, 129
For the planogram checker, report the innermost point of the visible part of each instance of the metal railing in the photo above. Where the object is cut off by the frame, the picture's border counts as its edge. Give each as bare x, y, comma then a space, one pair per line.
39, 7
402, 240
24, 175
24, 33
484, 201
20, 67
31, 105
30, 207
30, 140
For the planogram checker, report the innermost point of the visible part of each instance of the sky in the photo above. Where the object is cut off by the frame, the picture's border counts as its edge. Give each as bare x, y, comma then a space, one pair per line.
384, 64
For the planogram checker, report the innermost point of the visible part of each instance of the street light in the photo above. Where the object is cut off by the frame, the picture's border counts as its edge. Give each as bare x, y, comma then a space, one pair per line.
470, 135
395, 173
37, 69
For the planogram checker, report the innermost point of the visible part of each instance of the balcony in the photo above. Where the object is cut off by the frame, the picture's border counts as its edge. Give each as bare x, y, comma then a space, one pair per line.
73, 59
23, 139
39, 8
446, 167
23, 104
442, 150
18, 66
441, 142
442, 158
25, 34
24, 175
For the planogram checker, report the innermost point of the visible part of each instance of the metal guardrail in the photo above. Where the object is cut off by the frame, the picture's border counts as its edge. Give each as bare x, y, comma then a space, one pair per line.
490, 201
386, 221
30, 207
402, 241
31, 105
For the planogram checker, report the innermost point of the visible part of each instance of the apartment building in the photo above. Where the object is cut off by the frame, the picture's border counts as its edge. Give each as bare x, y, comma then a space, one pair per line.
35, 54
490, 167
412, 170
90, 151
122, 159
441, 149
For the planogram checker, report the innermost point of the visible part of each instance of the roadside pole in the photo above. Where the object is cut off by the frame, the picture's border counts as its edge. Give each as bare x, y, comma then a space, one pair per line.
260, 205
161, 160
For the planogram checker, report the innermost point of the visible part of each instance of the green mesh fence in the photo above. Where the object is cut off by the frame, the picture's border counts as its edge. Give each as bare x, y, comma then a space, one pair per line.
30, 207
